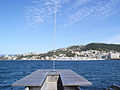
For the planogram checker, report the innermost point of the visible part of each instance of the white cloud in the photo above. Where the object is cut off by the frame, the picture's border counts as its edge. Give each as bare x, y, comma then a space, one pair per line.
97, 9
80, 2
72, 11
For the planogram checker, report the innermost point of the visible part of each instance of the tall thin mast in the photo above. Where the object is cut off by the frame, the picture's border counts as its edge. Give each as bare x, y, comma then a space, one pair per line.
54, 31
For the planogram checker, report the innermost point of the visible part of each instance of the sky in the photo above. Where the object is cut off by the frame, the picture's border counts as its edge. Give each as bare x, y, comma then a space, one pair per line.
28, 25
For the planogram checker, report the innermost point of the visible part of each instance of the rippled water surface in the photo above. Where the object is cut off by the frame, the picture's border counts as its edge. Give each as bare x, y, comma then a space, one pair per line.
101, 73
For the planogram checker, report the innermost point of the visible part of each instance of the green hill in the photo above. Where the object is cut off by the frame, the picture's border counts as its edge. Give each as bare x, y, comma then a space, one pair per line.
78, 48
70, 51
102, 47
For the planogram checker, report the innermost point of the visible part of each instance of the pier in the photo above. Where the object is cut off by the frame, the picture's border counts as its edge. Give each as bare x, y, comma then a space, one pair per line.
59, 79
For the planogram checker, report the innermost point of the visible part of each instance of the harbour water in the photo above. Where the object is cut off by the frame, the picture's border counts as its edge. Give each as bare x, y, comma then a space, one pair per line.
101, 73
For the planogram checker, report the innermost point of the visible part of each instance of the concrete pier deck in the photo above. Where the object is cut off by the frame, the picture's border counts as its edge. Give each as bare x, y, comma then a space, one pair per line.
63, 79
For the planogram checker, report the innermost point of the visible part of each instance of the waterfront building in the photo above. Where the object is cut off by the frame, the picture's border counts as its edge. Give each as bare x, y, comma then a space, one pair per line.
113, 56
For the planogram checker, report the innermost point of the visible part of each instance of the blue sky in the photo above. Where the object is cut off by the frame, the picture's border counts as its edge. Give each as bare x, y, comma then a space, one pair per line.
28, 25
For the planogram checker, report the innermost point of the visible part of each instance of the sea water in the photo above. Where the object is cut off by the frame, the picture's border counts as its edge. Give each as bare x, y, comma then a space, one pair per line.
101, 73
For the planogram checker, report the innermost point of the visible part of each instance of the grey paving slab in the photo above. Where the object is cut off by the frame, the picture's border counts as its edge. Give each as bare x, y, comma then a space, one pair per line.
68, 77
34, 79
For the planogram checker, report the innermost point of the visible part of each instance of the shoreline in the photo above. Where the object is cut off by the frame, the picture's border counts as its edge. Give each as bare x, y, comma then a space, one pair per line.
62, 60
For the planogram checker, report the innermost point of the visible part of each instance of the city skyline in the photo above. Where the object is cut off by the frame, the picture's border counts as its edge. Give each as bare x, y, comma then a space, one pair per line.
26, 26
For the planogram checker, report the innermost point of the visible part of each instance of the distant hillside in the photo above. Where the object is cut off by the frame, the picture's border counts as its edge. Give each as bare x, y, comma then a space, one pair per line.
102, 47
93, 46
72, 51
78, 48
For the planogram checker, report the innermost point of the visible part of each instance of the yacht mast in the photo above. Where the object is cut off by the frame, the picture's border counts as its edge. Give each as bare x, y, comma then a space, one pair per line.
55, 12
